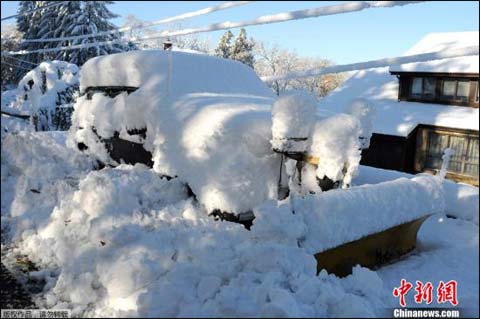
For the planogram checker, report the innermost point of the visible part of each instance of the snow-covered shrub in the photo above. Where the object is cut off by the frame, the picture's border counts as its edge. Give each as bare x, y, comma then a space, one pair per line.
48, 92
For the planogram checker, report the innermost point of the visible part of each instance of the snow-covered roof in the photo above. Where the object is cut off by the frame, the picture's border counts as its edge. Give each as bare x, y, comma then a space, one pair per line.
438, 42
172, 72
399, 118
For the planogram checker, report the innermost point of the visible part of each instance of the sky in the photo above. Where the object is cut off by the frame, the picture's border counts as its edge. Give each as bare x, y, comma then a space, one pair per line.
347, 38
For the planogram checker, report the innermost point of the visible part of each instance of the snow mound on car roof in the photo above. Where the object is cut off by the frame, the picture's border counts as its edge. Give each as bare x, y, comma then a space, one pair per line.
173, 73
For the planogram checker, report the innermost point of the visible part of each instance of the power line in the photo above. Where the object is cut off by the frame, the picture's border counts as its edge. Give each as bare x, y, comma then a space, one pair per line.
20, 60
267, 19
15, 66
431, 56
188, 15
284, 16
34, 10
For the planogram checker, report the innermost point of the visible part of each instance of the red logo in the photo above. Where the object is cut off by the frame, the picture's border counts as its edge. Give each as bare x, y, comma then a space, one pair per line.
401, 291
424, 292
446, 292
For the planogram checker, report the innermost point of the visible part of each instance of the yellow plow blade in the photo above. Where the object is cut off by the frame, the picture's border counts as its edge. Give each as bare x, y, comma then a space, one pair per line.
370, 251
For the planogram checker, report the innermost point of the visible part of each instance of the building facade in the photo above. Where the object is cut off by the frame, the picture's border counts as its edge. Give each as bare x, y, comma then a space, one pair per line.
421, 109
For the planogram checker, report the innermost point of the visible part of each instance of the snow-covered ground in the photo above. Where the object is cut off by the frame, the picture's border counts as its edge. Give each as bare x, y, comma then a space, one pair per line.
125, 242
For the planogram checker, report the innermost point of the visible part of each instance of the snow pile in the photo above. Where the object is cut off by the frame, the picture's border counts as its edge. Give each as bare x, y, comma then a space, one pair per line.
325, 220
10, 123
365, 112
336, 143
293, 118
129, 243
125, 242
14, 124
37, 171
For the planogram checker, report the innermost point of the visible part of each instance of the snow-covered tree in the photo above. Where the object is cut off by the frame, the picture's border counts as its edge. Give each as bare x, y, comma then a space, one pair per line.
224, 48
11, 38
49, 27
242, 50
28, 25
319, 85
272, 60
71, 18
84, 18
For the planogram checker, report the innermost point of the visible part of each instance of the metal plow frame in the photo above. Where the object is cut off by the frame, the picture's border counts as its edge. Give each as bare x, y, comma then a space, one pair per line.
371, 251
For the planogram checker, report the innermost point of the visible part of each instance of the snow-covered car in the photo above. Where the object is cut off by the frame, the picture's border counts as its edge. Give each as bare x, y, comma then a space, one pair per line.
209, 122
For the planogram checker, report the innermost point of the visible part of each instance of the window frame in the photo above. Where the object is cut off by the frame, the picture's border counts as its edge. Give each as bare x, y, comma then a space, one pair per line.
455, 95
422, 152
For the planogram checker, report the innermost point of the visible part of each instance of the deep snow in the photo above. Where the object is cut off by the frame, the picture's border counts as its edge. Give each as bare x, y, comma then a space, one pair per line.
124, 241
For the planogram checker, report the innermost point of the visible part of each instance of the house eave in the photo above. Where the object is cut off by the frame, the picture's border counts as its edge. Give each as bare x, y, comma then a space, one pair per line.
442, 74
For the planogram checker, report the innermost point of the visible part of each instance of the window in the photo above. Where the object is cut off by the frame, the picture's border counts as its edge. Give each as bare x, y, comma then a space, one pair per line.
465, 161
417, 87
423, 88
456, 90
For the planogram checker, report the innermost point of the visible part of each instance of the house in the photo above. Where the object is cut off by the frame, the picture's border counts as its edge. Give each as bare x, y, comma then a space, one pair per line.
421, 109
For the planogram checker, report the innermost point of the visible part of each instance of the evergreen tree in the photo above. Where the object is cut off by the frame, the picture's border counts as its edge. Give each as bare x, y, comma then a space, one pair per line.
242, 50
48, 28
88, 17
224, 46
28, 24
68, 19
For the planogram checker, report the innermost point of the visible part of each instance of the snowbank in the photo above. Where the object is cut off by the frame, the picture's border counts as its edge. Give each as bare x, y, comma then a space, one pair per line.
125, 242
37, 171
128, 243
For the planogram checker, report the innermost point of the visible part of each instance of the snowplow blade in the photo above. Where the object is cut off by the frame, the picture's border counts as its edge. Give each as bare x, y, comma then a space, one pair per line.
370, 251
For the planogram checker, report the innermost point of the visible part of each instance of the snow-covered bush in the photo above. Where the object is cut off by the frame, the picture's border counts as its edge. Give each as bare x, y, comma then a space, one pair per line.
47, 92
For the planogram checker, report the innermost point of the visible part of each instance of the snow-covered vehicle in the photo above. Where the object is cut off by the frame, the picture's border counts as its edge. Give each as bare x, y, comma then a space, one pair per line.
214, 125
205, 120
